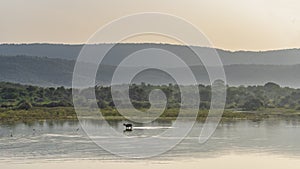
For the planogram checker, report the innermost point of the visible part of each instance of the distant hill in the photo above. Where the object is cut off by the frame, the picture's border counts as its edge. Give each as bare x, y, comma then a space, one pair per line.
58, 72
36, 70
70, 52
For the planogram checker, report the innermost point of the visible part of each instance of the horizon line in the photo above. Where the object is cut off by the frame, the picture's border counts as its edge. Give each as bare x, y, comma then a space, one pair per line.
145, 43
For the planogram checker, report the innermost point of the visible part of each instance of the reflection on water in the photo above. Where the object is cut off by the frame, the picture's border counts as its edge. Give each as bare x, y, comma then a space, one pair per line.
66, 139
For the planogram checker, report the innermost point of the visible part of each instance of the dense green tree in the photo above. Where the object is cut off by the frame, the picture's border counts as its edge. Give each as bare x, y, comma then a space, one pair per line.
253, 104
24, 105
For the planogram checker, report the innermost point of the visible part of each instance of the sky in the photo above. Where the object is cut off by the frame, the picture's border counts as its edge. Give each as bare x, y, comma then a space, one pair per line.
229, 24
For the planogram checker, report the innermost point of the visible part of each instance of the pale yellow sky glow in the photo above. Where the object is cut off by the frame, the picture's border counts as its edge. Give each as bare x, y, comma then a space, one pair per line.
229, 24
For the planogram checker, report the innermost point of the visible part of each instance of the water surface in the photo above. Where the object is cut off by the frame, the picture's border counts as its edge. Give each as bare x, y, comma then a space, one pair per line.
56, 140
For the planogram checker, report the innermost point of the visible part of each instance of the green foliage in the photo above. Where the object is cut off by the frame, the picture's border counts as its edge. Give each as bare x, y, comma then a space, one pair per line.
252, 104
24, 105
271, 95
27, 96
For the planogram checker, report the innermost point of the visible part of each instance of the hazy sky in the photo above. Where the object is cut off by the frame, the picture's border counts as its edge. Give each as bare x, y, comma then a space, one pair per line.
229, 24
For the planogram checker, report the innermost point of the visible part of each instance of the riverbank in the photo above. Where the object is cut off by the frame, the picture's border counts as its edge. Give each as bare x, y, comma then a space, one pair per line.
68, 113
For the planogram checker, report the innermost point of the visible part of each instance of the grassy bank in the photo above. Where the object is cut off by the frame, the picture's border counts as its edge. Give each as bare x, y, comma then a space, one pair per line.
66, 113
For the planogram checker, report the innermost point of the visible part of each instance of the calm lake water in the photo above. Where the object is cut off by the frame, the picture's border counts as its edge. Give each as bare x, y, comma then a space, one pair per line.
65, 139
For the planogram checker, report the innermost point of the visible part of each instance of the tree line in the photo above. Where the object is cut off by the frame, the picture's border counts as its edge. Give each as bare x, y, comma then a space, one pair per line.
249, 98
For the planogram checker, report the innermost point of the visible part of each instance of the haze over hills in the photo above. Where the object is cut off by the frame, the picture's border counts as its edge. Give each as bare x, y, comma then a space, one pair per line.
58, 72
71, 52
53, 64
